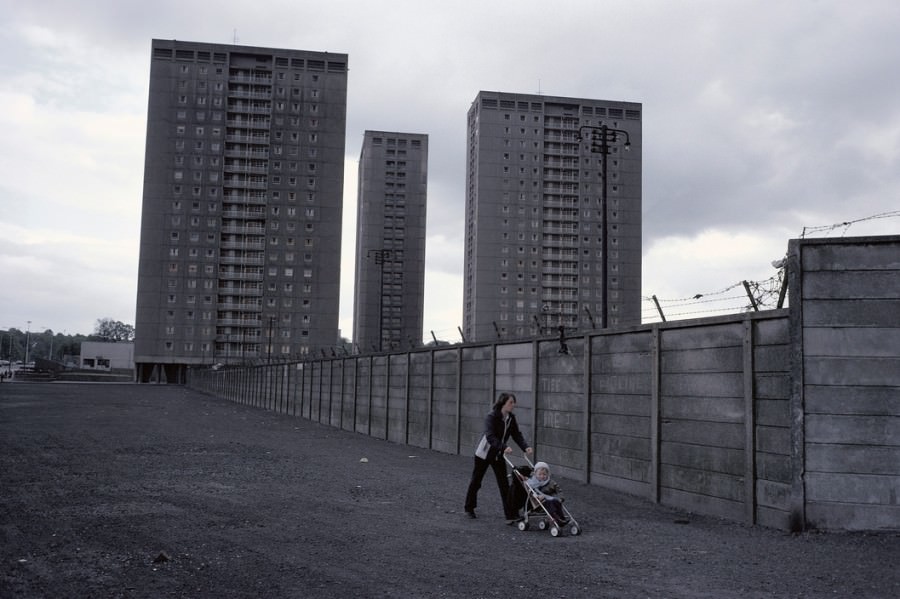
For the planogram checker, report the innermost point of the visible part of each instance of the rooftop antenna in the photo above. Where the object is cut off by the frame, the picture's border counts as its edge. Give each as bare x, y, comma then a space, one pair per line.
234, 37
539, 87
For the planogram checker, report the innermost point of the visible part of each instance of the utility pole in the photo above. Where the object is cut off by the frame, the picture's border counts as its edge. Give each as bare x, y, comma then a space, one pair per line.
380, 257
27, 341
601, 137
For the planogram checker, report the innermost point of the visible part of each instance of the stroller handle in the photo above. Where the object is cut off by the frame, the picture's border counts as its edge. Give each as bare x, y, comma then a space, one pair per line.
506, 456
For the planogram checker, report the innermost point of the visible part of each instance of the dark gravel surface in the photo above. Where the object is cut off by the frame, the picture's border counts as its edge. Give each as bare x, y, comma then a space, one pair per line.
120, 490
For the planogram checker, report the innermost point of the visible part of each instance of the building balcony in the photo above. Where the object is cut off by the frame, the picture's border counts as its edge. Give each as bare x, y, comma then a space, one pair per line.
560, 270
240, 276
553, 217
247, 153
243, 77
242, 260
557, 162
560, 187
231, 306
244, 183
237, 197
239, 322
250, 95
243, 168
243, 245
560, 175
568, 256
560, 150
560, 230
248, 123
250, 108
244, 229
247, 139
226, 291
252, 213
559, 297
237, 354
238, 338
560, 203
561, 243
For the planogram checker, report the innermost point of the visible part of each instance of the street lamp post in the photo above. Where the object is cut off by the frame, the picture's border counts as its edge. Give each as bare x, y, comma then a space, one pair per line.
27, 341
8, 351
380, 257
601, 137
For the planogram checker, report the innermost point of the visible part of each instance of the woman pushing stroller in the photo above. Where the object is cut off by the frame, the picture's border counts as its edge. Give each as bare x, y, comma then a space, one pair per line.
499, 426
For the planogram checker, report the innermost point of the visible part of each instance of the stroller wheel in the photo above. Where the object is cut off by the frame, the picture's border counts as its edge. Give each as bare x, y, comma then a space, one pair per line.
522, 525
554, 531
574, 530
542, 525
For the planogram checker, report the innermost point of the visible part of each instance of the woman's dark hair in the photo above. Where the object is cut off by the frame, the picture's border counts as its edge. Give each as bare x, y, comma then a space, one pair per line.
501, 401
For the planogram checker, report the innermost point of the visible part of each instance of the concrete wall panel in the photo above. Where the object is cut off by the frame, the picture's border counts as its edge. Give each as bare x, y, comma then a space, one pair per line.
850, 285
851, 313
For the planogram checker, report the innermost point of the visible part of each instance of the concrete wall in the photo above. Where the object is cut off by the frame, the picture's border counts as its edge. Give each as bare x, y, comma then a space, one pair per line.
785, 418
846, 396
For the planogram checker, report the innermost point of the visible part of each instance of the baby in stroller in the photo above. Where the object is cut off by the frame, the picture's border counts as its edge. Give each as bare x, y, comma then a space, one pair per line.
543, 488
534, 490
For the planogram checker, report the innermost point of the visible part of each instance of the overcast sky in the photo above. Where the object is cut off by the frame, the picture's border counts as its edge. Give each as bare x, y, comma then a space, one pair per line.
760, 118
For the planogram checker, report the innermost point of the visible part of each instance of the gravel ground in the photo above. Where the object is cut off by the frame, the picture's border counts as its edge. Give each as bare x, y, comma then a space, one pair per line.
120, 490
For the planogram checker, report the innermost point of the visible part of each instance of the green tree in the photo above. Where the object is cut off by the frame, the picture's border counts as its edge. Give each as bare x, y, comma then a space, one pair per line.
113, 330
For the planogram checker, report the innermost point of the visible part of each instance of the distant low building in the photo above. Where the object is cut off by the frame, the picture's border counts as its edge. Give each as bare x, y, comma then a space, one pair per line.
98, 355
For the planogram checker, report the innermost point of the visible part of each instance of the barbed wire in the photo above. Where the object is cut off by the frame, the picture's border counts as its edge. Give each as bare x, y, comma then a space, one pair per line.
847, 224
765, 293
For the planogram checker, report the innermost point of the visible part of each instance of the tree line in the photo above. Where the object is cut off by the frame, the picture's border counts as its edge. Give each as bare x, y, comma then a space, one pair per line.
57, 346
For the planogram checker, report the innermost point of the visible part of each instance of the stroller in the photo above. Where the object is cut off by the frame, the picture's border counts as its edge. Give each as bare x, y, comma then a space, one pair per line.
534, 508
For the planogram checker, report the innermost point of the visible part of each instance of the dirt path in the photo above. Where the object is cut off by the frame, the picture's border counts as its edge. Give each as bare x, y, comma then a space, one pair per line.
110, 490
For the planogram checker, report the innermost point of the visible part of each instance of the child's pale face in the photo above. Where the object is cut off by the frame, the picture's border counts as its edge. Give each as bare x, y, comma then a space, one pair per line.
542, 474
